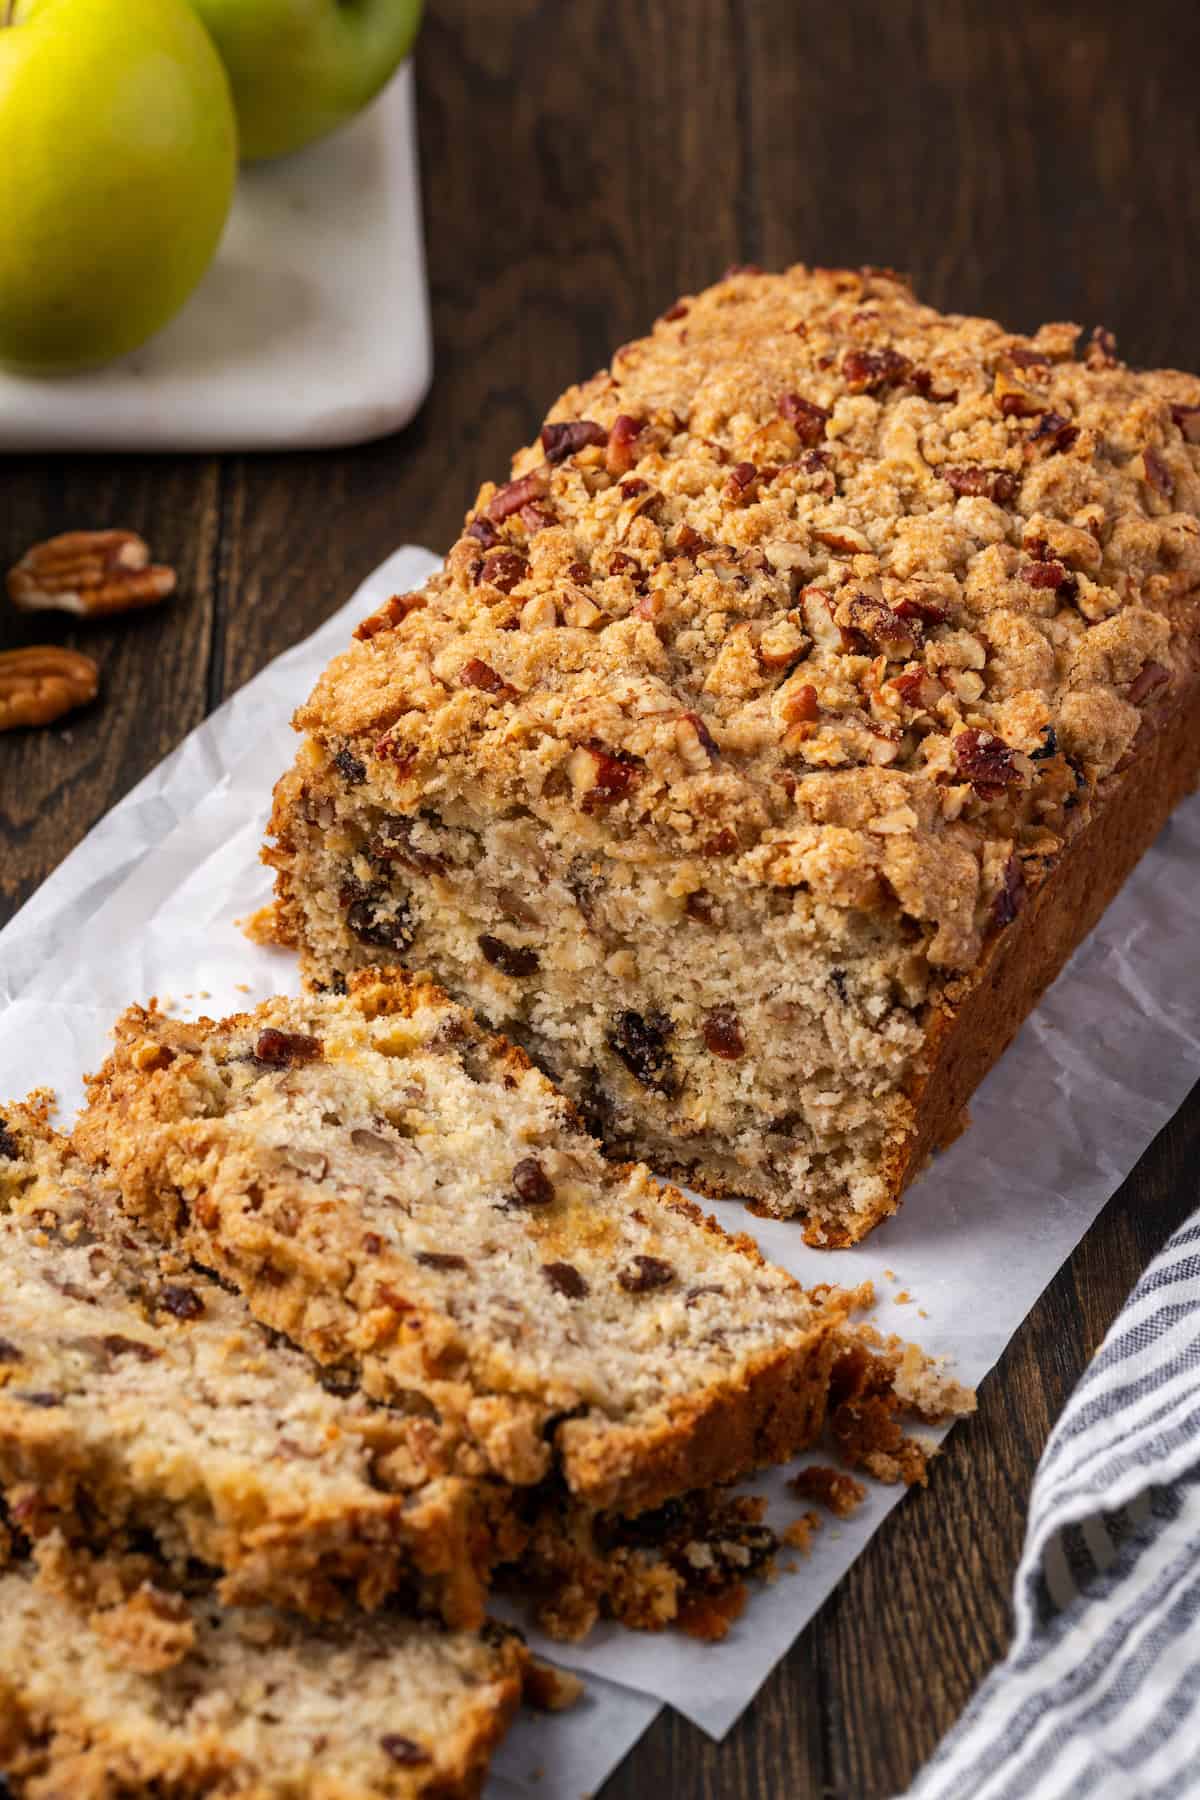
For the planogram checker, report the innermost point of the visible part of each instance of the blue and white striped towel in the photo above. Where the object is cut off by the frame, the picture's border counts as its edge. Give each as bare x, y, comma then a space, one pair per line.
1099, 1697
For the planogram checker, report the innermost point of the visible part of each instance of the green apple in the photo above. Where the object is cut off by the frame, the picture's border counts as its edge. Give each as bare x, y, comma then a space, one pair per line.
300, 68
119, 158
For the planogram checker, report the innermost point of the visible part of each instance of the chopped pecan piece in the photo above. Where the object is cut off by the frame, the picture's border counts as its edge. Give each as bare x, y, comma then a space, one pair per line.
515, 960
1150, 677
922, 380
1015, 400
723, 1034
477, 674
1011, 895
707, 741
42, 682
898, 638
620, 563
516, 494
1188, 420
689, 542
721, 843
282, 1048
641, 1044
531, 1184
92, 573
1048, 746
972, 478
645, 1273
567, 436
741, 482
1101, 352
622, 439
503, 569
565, 1279
867, 371
918, 688
602, 777
807, 419
987, 762
1047, 575
1058, 432
1156, 474
390, 614
678, 311
633, 486
440, 1259
917, 606
9, 1150
484, 532
800, 705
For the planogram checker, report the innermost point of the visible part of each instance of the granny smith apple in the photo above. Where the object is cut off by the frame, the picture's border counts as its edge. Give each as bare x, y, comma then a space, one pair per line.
300, 68
119, 155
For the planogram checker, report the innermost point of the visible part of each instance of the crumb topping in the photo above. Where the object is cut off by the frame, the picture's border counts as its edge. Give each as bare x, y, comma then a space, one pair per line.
844, 592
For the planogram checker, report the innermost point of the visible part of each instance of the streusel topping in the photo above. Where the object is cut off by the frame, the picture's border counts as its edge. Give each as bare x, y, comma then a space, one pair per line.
816, 581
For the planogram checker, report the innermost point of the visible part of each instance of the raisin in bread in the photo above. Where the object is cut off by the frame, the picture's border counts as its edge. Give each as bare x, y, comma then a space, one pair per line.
770, 739
114, 1684
410, 1200
137, 1394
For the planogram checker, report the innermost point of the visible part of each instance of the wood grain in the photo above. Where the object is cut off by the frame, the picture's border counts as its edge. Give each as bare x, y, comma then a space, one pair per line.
582, 165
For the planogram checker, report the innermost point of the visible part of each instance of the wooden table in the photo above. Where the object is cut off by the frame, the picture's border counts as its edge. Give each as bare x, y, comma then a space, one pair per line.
583, 163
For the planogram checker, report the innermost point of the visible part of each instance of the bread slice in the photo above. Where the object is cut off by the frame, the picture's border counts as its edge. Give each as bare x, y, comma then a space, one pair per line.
770, 739
136, 1393
113, 1686
410, 1200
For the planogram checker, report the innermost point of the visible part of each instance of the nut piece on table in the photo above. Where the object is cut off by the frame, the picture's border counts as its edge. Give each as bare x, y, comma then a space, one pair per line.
41, 682
92, 573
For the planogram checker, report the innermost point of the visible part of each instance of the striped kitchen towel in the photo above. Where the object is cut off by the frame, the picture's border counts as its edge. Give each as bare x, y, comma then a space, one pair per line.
1099, 1697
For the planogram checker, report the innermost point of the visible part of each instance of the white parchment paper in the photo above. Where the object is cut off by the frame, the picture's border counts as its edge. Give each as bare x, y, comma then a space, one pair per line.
148, 904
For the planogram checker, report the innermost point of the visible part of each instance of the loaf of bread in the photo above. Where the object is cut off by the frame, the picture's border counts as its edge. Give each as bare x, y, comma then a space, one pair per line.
772, 736
136, 1394
407, 1198
113, 1683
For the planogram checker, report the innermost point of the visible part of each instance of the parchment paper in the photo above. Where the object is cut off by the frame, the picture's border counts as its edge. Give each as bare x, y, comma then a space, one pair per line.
147, 904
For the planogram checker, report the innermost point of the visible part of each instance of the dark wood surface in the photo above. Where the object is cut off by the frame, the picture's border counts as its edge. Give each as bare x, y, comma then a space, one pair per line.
582, 164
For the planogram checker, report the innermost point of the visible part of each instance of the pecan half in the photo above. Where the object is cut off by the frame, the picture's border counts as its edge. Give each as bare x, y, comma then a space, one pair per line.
564, 438
91, 573
42, 682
